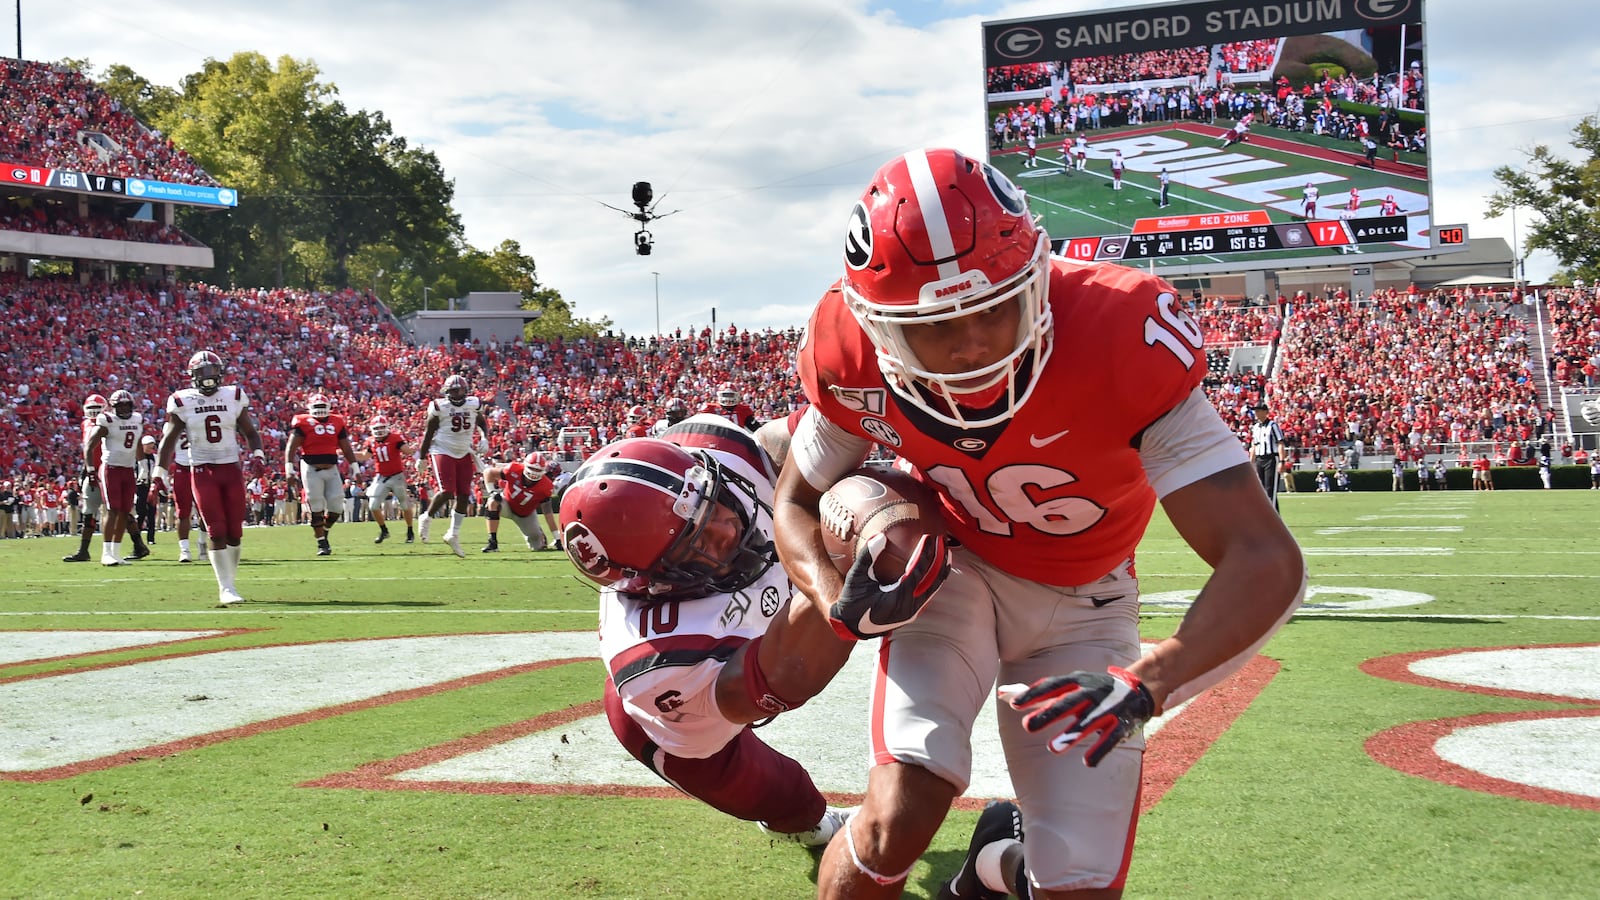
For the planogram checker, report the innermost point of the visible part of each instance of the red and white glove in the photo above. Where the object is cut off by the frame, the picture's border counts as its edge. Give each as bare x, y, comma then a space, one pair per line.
256, 466
158, 488
1103, 707
867, 608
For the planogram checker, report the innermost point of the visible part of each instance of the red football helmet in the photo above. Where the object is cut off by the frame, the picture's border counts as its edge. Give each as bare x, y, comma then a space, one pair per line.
379, 426
205, 371
635, 513
318, 406
636, 414
728, 396
93, 406
533, 467
937, 236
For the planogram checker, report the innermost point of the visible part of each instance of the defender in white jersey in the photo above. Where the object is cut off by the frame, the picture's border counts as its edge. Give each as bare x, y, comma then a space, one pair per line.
214, 416
447, 444
696, 626
115, 440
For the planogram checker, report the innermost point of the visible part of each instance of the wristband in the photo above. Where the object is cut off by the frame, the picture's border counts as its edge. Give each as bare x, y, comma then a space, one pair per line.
755, 682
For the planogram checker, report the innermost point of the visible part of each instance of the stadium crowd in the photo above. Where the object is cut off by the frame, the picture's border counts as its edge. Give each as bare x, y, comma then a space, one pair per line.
37, 216
54, 117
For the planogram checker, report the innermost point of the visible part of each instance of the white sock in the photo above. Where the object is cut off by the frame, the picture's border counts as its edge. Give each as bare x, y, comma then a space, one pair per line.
219, 568
987, 866
455, 522
183, 545
233, 564
116, 549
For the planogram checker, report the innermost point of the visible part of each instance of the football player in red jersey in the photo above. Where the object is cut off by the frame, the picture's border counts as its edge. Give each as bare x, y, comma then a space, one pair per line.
89, 480
317, 437
729, 403
516, 490
697, 628
637, 424
1050, 404
391, 451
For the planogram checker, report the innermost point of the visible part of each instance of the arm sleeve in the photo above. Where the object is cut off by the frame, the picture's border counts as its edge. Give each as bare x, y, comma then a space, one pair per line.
1187, 444
824, 451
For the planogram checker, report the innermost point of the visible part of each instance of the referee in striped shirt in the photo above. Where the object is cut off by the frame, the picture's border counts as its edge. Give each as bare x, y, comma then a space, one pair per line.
1266, 438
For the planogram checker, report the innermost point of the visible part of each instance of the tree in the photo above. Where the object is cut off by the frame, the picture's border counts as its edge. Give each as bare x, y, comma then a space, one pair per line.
1564, 196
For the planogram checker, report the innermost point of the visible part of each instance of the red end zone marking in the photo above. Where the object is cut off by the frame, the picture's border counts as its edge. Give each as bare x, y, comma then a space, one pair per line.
1398, 668
211, 633
1410, 748
1181, 742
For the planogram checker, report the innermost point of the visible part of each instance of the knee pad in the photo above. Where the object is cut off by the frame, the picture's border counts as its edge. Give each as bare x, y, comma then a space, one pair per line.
317, 519
493, 514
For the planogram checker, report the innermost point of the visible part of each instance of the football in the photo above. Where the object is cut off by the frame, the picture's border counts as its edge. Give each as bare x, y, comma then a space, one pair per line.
870, 501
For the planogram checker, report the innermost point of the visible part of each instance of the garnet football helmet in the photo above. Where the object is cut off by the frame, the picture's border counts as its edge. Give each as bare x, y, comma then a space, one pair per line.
937, 236
93, 406
676, 411
379, 426
455, 389
533, 467
205, 372
318, 406
635, 514
122, 403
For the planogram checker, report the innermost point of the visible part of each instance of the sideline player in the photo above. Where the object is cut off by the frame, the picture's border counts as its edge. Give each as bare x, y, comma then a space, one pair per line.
729, 404
90, 500
677, 531
1050, 403
318, 436
517, 490
674, 412
390, 449
453, 420
115, 441
214, 415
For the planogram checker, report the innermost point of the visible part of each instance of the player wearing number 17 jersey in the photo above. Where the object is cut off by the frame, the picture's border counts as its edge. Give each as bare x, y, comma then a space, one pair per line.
1050, 404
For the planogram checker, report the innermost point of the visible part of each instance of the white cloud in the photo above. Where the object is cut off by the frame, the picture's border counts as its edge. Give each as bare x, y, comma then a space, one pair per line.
760, 122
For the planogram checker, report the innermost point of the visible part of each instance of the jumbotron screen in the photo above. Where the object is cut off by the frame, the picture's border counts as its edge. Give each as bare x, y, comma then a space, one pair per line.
1198, 137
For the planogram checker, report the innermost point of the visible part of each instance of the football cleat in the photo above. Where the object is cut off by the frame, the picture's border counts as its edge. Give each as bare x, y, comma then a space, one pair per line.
454, 542
492, 547
834, 819
382, 536
183, 557
422, 529
76, 557
1000, 820
229, 597
323, 549
410, 537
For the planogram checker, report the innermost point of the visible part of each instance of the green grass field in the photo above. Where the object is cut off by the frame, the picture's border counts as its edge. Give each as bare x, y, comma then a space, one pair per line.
1287, 803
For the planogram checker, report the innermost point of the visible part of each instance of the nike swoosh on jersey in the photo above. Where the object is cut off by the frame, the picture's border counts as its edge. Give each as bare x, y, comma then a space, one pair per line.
1037, 441
1101, 601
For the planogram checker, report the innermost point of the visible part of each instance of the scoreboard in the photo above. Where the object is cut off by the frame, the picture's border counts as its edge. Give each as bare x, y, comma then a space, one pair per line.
1220, 234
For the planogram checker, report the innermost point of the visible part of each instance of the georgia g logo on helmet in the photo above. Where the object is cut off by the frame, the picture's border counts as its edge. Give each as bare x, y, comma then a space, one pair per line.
858, 238
1005, 193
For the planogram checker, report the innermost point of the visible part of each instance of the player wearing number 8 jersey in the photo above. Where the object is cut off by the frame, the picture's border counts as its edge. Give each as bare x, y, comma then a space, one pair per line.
1050, 404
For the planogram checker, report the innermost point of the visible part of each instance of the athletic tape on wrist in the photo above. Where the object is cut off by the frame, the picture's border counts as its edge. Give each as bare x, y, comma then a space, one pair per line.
850, 841
755, 682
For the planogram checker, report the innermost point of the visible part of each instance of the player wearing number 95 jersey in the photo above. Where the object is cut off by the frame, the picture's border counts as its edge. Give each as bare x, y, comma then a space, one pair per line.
1050, 404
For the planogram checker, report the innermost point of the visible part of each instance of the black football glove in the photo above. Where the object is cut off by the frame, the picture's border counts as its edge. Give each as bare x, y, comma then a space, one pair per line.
867, 608
1106, 707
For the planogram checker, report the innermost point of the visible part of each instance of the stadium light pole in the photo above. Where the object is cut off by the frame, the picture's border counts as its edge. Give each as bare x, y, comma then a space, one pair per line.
658, 301
19, 30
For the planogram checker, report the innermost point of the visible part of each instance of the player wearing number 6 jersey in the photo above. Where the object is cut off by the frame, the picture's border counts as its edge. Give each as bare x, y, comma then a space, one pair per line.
214, 415
1050, 403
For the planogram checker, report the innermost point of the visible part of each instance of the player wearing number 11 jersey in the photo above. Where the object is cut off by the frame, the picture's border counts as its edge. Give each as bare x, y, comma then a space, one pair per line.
1050, 404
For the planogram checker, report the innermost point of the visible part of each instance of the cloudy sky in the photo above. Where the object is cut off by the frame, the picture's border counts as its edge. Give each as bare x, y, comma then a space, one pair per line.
757, 121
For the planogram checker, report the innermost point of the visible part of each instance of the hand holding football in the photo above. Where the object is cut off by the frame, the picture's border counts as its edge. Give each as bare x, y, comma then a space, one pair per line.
870, 501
